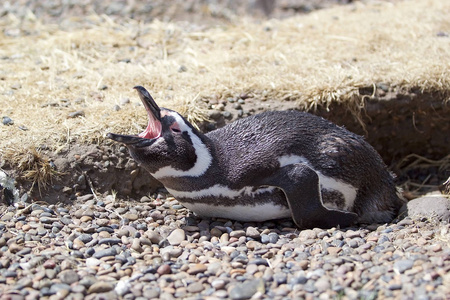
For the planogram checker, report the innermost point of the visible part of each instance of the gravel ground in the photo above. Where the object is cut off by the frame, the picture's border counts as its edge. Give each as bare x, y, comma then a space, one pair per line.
108, 248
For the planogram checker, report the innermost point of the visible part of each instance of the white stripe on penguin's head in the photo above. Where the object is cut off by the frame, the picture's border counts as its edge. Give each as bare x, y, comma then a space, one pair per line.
204, 158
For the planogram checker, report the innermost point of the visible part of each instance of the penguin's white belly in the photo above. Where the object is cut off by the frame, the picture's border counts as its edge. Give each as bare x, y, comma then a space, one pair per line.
248, 204
245, 213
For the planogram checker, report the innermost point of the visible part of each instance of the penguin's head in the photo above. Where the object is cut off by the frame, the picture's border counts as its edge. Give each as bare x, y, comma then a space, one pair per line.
168, 143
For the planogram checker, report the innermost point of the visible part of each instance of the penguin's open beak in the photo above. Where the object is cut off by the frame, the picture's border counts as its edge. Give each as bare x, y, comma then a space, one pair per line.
154, 127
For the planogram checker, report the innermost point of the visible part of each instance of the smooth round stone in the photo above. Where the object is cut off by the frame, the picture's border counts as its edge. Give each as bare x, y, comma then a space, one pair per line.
24, 282
109, 241
78, 288
122, 287
301, 279
395, 286
136, 245
59, 286
437, 207
77, 244
280, 278
402, 265
87, 281
195, 287
197, 268
213, 268
89, 252
237, 233
7, 120
246, 289
151, 293
24, 251
107, 229
15, 248
45, 292
176, 237
222, 294
68, 276
65, 220
259, 262
322, 285
252, 232
352, 234
100, 287
273, 238
218, 284
382, 239
130, 216
265, 238
307, 235
105, 252
85, 238
49, 264
154, 237
216, 232
164, 269
93, 262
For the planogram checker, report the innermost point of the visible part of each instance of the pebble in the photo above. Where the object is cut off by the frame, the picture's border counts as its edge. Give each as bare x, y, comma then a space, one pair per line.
105, 252
176, 237
252, 232
322, 285
68, 277
246, 289
428, 207
100, 287
164, 269
237, 233
218, 284
197, 268
78, 113
402, 265
7, 121
93, 262
85, 238
195, 287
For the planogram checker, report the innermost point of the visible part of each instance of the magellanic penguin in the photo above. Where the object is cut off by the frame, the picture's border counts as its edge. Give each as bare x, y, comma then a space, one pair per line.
271, 165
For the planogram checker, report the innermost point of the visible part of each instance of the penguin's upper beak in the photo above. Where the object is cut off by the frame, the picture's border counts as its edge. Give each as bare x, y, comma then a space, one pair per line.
150, 104
154, 127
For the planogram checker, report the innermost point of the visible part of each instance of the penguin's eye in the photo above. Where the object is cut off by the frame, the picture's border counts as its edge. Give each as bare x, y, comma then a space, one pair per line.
175, 127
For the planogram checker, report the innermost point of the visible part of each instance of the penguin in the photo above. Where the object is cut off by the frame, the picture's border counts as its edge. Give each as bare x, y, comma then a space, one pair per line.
272, 165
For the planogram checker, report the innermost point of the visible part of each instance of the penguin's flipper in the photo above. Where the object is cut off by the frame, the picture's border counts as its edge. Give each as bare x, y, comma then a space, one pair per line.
301, 186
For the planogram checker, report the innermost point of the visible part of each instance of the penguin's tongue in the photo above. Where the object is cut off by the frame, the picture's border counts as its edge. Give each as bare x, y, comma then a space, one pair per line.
153, 129
154, 126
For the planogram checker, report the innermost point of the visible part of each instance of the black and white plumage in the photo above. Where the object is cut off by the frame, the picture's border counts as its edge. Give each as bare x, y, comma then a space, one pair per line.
268, 166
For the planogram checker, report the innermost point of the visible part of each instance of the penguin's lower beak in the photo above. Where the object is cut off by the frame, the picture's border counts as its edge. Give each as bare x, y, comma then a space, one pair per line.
125, 139
154, 127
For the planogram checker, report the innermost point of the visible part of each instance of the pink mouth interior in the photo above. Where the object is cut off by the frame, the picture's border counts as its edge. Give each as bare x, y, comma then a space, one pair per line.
153, 129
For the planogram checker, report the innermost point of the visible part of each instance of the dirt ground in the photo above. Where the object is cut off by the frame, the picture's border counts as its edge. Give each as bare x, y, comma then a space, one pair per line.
406, 122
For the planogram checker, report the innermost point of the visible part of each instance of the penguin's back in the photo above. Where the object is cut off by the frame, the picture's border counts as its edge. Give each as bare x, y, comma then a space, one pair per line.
254, 147
262, 140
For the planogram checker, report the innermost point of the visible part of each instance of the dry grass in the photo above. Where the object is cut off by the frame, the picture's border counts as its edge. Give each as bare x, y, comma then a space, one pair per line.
49, 71
33, 167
